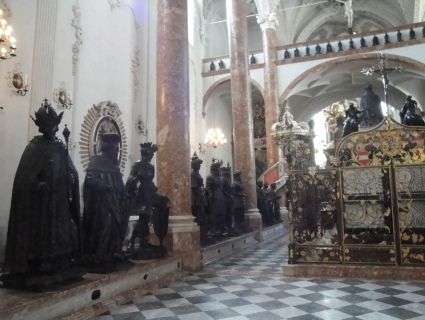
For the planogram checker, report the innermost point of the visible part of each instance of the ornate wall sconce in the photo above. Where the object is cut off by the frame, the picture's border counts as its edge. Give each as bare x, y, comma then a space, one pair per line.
141, 127
7, 42
17, 81
202, 151
61, 97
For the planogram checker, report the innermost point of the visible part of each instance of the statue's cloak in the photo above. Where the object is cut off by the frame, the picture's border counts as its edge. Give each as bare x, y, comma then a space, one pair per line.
105, 215
43, 224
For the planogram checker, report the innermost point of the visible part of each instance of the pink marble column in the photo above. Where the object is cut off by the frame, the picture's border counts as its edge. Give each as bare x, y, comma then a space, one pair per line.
244, 157
172, 112
270, 91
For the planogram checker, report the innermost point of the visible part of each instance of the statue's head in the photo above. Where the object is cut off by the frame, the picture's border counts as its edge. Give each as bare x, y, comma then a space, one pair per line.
110, 144
47, 120
225, 171
147, 150
259, 183
196, 162
273, 186
237, 175
368, 87
215, 165
265, 185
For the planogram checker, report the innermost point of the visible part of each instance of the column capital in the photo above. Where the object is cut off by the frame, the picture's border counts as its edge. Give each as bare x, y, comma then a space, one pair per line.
268, 21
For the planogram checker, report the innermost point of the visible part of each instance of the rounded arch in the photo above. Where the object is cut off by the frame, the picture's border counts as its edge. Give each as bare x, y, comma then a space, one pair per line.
328, 64
216, 84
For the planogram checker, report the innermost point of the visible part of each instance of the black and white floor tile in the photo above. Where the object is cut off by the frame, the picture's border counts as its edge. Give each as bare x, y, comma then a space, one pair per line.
249, 286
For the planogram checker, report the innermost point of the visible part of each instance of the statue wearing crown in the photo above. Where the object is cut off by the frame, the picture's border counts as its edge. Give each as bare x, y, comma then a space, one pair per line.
145, 202
43, 238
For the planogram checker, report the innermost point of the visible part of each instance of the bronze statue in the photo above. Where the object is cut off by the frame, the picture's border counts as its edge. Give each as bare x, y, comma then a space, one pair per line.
145, 202
352, 44
216, 200
340, 46
307, 51
239, 203
351, 123
43, 238
286, 54
212, 66
370, 104
375, 40
274, 204
318, 49
363, 42
221, 64
105, 216
329, 48
408, 113
412, 34
387, 38
296, 53
199, 201
399, 36
226, 186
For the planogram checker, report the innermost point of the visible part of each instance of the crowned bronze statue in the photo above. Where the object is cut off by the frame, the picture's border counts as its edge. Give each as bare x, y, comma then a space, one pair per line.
145, 202
199, 201
43, 237
274, 203
370, 104
105, 216
226, 185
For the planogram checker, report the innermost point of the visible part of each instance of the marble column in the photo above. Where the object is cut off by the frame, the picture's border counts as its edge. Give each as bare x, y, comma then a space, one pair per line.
268, 27
172, 112
41, 76
244, 157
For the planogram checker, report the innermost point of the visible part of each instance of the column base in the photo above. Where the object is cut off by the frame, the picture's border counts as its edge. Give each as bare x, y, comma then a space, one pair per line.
183, 240
255, 223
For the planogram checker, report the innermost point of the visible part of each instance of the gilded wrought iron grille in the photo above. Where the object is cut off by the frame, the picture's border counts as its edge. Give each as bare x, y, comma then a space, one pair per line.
367, 219
313, 214
410, 183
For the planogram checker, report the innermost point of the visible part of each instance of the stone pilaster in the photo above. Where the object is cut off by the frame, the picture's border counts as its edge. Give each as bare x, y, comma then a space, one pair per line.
172, 112
244, 157
43, 56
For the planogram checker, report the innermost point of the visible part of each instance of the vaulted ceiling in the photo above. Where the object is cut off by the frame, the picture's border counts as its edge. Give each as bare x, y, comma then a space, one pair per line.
307, 20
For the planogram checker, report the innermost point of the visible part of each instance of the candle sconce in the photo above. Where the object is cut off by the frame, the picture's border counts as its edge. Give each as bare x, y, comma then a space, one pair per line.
61, 97
17, 81
141, 127
202, 151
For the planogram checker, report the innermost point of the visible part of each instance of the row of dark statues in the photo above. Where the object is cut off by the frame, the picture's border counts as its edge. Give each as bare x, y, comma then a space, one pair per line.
268, 203
47, 242
219, 208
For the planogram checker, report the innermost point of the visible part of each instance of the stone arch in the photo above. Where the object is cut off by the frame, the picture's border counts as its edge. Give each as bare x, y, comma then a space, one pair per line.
216, 84
328, 64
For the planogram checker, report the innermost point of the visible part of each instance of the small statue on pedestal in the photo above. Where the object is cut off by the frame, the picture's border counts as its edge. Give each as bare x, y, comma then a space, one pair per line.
352, 44
399, 36
221, 65
412, 34
363, 42
216, 200
286, 54
199, 201
253, 60
296, 53
329, 48
145, 202
387, 38
105, 216
318, 49
212, 66
375, 41
340, 46
307, 51
408, 113
43, 237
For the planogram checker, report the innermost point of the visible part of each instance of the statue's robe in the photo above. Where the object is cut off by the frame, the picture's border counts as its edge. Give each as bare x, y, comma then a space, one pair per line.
43, 225
105, 216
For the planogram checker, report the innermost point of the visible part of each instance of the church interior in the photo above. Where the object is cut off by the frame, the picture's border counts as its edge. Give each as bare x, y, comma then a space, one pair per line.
236, 159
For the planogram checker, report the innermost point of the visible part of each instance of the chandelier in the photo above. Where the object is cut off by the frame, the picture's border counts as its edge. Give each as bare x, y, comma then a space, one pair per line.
7, 42
214, 138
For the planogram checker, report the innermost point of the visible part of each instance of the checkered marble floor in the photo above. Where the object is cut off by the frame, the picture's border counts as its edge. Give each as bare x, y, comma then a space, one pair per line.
249, 285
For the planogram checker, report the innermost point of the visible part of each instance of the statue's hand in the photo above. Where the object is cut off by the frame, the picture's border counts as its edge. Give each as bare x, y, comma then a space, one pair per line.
42, 186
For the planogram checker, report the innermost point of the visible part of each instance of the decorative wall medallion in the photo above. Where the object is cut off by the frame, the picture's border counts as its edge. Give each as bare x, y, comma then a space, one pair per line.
16, 80
78, 35
102, 118
259, 121
62, 97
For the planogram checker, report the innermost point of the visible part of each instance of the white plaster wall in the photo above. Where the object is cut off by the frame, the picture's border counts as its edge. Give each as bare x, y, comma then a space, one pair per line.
14, 115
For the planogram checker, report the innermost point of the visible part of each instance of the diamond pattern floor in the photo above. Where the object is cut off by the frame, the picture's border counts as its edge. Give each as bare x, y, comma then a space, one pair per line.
249, 285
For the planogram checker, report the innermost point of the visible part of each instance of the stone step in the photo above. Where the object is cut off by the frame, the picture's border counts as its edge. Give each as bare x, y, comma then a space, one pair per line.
92, 296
